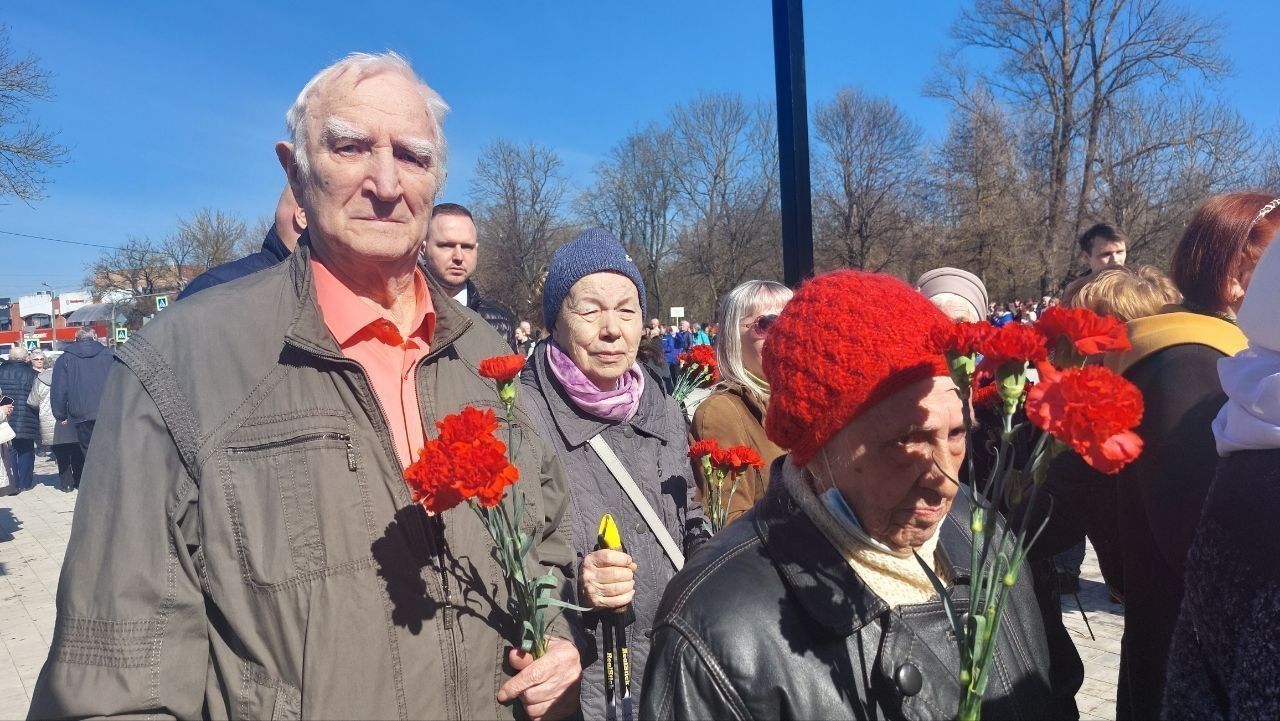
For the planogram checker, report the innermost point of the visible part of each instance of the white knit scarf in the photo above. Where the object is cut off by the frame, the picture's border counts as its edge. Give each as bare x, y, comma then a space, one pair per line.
897, 578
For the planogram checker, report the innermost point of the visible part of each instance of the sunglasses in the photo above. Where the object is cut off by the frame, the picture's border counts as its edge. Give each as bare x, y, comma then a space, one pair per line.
764, 323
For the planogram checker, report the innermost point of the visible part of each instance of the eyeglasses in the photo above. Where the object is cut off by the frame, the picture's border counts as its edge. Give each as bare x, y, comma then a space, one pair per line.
762, 324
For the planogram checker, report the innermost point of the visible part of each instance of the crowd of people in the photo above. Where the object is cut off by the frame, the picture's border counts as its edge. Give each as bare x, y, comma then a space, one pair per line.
58, 405
245, 545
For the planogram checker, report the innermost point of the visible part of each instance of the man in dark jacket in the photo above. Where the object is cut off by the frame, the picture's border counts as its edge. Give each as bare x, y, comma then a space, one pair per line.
78, 380
449, 256
16, 378
280, 241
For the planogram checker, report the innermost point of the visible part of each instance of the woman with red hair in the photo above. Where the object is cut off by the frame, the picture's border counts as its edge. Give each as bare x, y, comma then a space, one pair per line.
1174, 361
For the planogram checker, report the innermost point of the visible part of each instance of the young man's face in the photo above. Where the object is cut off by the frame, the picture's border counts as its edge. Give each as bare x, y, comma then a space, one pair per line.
1105, 253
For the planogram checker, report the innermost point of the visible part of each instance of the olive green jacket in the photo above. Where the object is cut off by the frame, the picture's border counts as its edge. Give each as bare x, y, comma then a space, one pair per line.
244, 545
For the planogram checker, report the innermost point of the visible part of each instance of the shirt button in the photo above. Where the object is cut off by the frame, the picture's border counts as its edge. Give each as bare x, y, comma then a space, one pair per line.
628, 432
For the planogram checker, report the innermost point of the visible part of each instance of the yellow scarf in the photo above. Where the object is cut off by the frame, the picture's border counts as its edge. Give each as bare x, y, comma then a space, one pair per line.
1174, 325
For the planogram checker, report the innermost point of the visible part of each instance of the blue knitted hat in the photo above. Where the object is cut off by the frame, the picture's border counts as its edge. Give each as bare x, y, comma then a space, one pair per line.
594, 251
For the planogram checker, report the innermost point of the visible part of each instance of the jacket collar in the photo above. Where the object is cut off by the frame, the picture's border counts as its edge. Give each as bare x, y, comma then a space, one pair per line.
309, 332
473, 295
577, 427
825, 584
273, 246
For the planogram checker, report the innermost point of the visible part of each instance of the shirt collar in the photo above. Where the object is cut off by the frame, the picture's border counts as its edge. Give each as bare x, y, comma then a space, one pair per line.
347, 315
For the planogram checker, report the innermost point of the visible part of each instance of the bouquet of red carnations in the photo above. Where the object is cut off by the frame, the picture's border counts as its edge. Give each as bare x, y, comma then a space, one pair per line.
467, 463
698, 369
722, 469
1084, 408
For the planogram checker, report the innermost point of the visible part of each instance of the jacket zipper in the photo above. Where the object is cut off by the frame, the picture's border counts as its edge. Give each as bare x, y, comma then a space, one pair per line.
433, 548
305, 438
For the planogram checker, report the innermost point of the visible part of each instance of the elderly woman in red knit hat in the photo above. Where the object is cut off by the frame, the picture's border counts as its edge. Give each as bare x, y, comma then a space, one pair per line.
814, 605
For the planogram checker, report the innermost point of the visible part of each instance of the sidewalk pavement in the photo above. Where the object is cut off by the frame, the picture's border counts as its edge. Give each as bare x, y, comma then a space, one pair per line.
35, 525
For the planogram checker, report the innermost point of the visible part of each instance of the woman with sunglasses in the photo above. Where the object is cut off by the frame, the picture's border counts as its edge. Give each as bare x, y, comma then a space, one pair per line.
734, 413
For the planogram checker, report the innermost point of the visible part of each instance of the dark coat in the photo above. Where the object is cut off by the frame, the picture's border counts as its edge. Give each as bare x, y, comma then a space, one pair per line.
769, 621
16, 379
79, 377
494, 314
1159, 499
273, 251
1224, 661
654, 448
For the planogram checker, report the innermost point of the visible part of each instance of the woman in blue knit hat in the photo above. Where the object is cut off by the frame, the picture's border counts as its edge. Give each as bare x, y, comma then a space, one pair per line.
624, 444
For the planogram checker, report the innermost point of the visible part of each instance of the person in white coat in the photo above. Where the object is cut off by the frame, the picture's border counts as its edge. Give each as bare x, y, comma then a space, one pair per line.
60, 437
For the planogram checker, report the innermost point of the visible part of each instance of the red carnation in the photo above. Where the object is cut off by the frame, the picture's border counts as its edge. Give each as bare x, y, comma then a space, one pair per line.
1092, 410
960, 338
1011, 344
1087, 331
736, 459
502, 368
705, 447
465, 461
702, 355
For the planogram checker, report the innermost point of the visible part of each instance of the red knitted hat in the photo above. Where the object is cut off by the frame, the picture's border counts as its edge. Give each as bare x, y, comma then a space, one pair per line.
845, 342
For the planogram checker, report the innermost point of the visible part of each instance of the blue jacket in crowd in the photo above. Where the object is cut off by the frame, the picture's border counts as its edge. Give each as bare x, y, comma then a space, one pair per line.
79, 377
273, 251
669, 348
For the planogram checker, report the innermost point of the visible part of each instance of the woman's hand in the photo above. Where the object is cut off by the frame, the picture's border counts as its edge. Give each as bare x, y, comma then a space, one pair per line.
608, 579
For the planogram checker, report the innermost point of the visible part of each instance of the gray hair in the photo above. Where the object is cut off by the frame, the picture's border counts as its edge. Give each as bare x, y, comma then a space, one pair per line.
35, 355
365, 65
18, 353
741, 303
86, 333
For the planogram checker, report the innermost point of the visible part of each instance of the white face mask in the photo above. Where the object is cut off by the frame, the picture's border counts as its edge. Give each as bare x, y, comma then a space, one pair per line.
833, 500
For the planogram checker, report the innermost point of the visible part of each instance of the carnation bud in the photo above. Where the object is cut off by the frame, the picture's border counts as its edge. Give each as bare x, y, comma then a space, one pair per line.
1011, 378
976, 522
507, 393
962, 368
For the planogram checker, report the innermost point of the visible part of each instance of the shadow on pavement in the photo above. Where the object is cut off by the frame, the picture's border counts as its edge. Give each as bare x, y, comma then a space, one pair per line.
8, 524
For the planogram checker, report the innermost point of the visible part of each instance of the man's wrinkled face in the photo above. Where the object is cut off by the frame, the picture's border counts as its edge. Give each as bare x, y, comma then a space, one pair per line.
599, 327
372, 183
451, 250
1105, 254
896, 464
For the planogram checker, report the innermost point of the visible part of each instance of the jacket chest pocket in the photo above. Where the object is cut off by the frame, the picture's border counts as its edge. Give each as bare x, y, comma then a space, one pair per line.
295, 500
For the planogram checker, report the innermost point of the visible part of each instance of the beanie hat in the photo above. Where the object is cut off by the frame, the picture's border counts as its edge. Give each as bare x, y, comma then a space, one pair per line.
846, 341
957, 282
595, 250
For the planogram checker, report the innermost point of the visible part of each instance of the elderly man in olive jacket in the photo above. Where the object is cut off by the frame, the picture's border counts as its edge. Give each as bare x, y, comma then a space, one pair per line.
245, 545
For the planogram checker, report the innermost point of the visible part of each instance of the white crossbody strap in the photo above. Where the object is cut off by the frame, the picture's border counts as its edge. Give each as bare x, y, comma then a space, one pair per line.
621, 475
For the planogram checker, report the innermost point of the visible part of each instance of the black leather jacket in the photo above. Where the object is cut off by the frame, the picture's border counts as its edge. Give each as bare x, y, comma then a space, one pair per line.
494, 314
769, 622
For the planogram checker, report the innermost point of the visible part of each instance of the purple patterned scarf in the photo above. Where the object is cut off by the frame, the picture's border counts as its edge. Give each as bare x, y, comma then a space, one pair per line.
617, 405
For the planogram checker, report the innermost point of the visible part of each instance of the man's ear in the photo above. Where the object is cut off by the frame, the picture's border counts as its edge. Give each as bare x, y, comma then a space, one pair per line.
284, 153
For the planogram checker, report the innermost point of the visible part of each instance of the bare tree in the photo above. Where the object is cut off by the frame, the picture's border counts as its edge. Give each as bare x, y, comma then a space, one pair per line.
726, 171
1066, 62
132, 272
207, 238
983, 198
869, 172
26, 149
517, 192
1159, 160
635, 196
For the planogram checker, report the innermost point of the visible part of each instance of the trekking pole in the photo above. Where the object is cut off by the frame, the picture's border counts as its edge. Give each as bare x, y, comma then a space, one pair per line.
617, 654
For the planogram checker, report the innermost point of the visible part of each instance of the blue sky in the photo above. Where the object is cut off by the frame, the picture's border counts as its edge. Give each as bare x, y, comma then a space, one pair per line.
172, 106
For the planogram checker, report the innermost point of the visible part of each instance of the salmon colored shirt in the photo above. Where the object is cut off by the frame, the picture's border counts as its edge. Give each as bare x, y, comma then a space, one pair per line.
367, 336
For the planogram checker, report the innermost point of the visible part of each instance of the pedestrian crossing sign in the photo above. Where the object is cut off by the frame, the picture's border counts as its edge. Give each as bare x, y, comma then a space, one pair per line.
122, 335
32, 343
162, 302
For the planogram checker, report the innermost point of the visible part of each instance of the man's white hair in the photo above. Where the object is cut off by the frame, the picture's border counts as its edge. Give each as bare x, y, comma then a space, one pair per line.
366, 65
18, 353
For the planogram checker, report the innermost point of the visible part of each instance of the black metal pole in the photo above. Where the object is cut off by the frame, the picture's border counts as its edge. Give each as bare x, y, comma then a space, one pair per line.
793, 141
